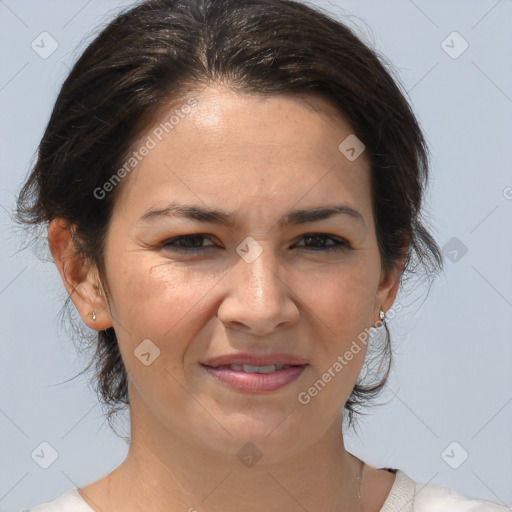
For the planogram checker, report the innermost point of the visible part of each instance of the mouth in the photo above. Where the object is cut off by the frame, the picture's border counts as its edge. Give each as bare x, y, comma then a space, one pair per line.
249, 378
249, 368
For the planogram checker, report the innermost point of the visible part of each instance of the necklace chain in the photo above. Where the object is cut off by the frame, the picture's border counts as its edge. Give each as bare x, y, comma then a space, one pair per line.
359, 478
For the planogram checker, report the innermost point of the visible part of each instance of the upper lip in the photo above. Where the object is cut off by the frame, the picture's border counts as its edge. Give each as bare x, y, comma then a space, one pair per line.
254, 360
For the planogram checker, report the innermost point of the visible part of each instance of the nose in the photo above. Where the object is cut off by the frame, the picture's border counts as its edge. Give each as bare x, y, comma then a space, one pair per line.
257, 298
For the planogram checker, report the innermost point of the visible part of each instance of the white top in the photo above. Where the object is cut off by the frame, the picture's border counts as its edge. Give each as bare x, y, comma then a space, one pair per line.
406, 495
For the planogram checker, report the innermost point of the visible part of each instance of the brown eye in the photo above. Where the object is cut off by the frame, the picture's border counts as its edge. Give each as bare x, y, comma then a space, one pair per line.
322, 242
186, 243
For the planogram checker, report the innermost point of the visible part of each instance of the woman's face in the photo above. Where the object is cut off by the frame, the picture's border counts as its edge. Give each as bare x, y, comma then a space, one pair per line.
258, 285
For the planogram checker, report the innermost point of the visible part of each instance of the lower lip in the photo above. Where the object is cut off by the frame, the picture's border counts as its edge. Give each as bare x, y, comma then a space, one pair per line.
256, 382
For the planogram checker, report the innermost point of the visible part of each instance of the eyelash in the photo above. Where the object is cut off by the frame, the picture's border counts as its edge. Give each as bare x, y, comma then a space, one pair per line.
340, 243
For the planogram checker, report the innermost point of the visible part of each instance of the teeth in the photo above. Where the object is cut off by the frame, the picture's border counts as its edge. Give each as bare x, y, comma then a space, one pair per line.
257, 369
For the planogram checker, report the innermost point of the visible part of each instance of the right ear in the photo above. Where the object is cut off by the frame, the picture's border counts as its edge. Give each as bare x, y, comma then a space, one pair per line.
80, 278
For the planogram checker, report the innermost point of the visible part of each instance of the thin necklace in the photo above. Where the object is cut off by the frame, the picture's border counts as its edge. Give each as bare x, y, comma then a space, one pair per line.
359, 478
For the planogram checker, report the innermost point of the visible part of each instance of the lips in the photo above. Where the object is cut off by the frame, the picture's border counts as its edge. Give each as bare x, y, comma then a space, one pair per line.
260, 379
251, 373
255, 360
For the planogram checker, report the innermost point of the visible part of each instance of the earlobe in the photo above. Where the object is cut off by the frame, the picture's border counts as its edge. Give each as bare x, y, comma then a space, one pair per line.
80, 279
388, 287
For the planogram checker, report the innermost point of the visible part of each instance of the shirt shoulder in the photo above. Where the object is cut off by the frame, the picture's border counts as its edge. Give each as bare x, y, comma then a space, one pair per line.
406, 495
437, 498
70, 501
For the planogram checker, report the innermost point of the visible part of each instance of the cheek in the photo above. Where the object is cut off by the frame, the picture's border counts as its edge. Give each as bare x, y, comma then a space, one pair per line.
154, 302
341, 304
156, 299
342, 299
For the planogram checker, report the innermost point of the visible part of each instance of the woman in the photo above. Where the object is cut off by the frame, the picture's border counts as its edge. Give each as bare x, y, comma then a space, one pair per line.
233, 193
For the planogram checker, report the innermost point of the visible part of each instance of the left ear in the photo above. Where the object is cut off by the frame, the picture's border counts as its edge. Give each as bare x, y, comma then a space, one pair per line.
388, 288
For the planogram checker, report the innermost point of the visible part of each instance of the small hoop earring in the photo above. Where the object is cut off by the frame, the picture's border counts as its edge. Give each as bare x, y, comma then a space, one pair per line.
94, 315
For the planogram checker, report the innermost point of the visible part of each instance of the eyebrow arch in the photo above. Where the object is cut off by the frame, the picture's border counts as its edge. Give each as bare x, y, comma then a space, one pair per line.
293, 217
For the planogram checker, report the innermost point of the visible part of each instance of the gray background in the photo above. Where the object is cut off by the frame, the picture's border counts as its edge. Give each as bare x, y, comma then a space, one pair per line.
451, 380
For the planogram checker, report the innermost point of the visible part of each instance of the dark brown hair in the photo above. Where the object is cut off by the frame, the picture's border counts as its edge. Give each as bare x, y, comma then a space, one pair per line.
160, 51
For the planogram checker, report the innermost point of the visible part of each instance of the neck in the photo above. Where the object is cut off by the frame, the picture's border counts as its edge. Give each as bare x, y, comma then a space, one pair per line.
167, 471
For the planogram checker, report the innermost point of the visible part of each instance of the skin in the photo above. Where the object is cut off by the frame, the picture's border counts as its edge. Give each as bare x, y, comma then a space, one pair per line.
257, 158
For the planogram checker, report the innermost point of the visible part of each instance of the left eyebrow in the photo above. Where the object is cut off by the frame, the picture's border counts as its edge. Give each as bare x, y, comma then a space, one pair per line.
321, 213
293, 217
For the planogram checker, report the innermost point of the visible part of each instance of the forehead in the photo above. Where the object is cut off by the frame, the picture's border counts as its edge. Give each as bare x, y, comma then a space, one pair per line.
247, 149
